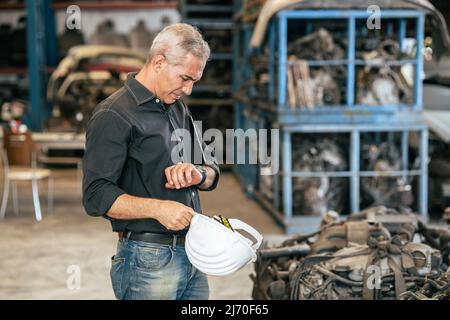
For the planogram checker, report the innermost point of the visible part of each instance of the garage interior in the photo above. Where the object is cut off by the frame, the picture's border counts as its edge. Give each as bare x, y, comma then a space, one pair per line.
357, 93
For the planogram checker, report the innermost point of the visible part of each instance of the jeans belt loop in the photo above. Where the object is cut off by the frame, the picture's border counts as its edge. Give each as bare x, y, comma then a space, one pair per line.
174, 241
128, 235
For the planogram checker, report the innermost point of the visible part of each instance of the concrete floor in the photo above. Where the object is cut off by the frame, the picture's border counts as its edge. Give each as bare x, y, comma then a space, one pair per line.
39, 259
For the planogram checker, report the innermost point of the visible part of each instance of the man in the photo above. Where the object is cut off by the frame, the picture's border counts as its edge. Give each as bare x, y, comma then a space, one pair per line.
130, 176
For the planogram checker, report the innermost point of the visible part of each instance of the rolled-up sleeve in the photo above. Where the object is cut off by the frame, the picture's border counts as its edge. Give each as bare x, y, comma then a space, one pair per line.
107, 138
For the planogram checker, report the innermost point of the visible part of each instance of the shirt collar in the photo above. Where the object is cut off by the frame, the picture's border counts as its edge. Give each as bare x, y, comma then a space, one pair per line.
140, 93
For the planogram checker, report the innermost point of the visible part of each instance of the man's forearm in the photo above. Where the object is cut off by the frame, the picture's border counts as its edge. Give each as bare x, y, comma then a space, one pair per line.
130, 207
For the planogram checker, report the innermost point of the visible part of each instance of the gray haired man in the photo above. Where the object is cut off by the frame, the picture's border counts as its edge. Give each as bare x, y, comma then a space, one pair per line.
131, 179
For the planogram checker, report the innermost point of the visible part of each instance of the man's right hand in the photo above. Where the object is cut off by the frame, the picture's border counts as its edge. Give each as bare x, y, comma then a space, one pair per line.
174, 215
171, 214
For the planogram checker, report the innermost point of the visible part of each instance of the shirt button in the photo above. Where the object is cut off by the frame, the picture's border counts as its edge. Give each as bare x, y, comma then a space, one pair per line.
193, 193
157, 100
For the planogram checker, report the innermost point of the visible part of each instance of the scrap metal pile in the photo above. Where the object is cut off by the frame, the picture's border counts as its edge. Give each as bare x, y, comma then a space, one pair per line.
316, 196
376, 254
394, 192
309, 87
324, 153
439, 173
86, 76
378, 80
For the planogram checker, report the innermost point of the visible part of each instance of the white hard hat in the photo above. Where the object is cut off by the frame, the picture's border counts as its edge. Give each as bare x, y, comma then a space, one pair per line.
214, 246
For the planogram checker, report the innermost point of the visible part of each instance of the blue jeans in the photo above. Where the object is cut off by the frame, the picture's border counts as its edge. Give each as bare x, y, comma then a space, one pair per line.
150, 271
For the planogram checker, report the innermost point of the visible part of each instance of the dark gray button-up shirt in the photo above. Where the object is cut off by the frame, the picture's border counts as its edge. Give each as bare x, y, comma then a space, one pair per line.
128, 147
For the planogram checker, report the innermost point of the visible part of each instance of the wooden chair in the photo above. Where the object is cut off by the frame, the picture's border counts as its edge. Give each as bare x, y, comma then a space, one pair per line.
18, 161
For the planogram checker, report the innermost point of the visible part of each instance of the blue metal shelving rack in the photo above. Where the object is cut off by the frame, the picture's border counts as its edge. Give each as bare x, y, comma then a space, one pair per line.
350, 118
350, 112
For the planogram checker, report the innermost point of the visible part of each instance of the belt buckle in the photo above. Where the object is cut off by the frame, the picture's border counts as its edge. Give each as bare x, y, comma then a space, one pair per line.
174, 241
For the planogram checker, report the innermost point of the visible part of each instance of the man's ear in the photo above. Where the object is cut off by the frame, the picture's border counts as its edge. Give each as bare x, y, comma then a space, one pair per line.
158, 62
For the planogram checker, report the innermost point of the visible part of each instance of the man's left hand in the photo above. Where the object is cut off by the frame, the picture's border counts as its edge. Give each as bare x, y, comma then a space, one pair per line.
182, 175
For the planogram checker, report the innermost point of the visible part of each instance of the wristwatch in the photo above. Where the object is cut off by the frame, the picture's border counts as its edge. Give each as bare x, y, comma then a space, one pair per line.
204, 174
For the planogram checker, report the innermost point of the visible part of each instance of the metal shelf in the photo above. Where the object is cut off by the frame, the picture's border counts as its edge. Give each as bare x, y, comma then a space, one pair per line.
21, 70
221, 56
100, 5
117, 5
209, 102
211, 23
354, 108
214, 92
14, 70
358, 62
207, 8
391, 63
279, 39
350, 118
348, 174
215, 88
12, 6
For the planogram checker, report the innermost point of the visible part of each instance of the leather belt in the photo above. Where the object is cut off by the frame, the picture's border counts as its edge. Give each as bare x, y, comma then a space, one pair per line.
168, 239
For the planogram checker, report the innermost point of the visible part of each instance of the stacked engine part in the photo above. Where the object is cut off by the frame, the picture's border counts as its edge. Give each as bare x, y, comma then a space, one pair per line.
377, 253
439, 174
309, 87
316, 196
392, 192
322, 153
377, 83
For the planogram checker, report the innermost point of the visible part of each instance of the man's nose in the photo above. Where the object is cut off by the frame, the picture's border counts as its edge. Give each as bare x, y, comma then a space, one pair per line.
187, 88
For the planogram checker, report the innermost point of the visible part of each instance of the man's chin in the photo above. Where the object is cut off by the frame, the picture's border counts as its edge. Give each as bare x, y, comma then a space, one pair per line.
171, 100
